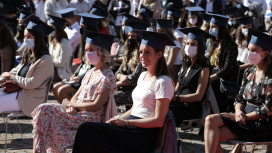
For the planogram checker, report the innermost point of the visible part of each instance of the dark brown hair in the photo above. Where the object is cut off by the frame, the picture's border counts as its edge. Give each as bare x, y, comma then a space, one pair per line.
223, 37
201, 60
40, 49
59, 34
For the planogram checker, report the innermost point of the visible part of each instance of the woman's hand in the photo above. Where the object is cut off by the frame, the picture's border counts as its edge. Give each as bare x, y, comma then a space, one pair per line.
71, 110
74, 79
66, 102
7, 75
117, 121
240, 117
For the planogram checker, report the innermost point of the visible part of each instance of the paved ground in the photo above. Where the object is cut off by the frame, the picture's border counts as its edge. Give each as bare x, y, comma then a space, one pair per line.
191, 141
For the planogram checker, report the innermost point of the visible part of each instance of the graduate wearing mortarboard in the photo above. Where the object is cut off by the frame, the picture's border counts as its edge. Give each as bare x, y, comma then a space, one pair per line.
194, 17
137, 130
222, 52
34, 73
187, 102
72, 29
233, 23
253, 108
60, 49
131, 67
92, 102
242, 41
173, 53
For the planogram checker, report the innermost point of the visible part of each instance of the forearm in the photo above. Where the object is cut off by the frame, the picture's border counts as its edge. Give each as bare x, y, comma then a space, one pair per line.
194, 97
151, 122
239, 107
86, 106
252, 116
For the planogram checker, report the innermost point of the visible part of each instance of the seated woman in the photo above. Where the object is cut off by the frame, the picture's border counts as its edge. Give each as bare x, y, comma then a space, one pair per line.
66, 88
173, 53
131, 68
8, 47
60, 49
140, 125
241, 41
193, 77
33, 74
194, 19
222, 55
55, 125
252, 119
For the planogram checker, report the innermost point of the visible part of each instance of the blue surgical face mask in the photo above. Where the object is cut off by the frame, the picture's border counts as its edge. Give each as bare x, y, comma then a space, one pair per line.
213, 32
232, 23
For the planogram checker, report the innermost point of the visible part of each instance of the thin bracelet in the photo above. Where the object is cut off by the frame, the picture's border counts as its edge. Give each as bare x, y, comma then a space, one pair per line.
126, 121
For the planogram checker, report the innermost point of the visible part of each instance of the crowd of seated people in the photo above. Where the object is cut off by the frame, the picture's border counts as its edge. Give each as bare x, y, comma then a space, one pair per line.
162, 58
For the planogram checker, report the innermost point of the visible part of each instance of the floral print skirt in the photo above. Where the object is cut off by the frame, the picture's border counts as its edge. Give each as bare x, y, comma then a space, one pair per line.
54, 130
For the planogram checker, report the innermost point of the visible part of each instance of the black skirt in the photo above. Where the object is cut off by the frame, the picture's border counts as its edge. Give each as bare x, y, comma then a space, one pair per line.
253, 130
107, 138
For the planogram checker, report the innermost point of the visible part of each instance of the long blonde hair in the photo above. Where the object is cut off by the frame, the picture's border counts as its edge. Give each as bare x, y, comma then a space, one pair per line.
131, 57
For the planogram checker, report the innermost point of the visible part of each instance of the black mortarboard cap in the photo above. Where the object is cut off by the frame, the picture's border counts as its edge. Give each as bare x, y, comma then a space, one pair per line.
261, 39
242, 8
23, 14
99, 12
196, 34
175, 13
206, 17
57, 21
220, 20
246, 20
163, 23
145, 11
126, 16
33, 18
155, 39
89, 19
102, 40
42, 28
66, 13
194, 10
134, 25
230, 11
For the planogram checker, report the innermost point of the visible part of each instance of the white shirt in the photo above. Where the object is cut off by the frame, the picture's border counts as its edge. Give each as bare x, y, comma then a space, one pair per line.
179, 55
83, 7
268, 7
209, 6
242, 53
249, 4
39, 6
144, 98
73, 33
178, 34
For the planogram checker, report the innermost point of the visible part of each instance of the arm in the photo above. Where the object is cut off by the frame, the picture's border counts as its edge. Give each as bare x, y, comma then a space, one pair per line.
245, 66
156, 121
47, 9
201, 88
42, 71
133, 78
172, 57
64, 56
93, 106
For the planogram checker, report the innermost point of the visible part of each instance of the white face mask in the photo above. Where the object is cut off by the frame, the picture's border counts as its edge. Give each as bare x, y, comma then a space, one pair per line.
254, 58
245, 32
193, 21
190, 51
29, 43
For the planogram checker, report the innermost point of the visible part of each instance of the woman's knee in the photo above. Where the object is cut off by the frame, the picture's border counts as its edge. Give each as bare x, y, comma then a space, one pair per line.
212, 120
